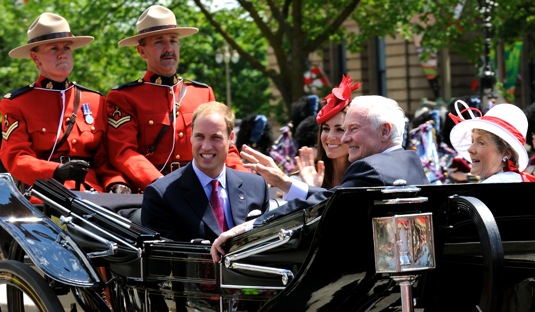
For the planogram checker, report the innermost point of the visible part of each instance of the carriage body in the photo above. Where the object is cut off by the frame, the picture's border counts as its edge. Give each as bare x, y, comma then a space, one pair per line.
483, 240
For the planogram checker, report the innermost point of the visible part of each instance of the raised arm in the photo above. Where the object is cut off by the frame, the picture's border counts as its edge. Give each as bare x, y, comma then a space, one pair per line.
266, 167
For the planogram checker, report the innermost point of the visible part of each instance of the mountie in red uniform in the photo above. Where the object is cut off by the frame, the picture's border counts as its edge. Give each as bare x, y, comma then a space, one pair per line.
34, 120
149, 127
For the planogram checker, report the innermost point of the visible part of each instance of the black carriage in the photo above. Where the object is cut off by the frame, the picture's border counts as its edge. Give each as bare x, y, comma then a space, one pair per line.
324, 258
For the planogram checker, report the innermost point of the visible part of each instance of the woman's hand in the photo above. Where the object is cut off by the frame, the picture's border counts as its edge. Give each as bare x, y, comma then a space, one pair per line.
307, 167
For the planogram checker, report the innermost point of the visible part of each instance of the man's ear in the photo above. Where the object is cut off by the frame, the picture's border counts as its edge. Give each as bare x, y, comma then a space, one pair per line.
386, 130
34, 57
141, 51
231, 138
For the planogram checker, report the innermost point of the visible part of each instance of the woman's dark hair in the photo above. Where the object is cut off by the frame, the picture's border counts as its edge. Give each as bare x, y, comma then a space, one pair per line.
447, 125
255, 131
305, 106
306, 133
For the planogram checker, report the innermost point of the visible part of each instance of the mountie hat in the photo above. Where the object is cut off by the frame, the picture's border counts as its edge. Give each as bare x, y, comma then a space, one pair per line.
337, 100
156, 20
49, 28
507, 121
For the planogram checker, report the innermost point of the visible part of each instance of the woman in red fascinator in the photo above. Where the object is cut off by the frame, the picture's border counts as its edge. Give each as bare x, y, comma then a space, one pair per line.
328, 168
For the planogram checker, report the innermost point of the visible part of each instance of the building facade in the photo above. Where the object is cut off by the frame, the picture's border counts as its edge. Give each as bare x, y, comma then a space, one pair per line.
391, 67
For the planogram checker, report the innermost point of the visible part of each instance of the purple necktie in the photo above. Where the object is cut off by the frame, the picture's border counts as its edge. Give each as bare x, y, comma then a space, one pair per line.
215, 202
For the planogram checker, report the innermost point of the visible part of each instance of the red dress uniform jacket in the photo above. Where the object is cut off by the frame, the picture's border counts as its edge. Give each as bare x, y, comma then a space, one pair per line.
31, 119
137, 112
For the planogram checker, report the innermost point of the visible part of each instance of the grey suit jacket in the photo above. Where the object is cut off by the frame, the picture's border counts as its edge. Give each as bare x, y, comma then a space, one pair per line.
375, 170
177, 207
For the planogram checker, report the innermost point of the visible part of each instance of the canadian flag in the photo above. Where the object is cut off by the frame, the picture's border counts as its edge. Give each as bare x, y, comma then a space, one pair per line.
315, 79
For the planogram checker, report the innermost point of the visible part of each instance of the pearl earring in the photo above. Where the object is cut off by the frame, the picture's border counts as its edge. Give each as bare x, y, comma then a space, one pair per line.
505, 158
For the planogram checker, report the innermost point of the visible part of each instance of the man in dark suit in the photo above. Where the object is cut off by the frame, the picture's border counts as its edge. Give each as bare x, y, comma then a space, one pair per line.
178, 204
374, 127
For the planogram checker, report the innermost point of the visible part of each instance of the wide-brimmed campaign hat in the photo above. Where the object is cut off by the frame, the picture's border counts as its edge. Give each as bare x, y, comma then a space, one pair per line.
507, 121
49, 28
156, 20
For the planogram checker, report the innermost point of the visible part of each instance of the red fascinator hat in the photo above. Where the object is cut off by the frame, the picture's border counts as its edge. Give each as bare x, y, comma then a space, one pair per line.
337, 100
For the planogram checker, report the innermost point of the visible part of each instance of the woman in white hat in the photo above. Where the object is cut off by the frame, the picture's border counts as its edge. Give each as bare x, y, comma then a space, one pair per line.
494, 143
54, 127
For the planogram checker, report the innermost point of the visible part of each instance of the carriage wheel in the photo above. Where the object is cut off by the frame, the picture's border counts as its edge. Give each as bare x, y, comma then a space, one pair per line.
25, 288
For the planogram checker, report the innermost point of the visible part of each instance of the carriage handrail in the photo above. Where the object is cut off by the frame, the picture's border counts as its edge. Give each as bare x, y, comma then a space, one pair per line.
112, 246
283, 237
89, 224
287, 275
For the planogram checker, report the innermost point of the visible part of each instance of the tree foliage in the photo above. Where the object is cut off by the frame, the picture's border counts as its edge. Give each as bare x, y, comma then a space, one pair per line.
509, 21
294, 29
289, 29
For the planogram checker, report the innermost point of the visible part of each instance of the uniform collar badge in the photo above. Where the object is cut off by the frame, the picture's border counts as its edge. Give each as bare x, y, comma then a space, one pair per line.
54, 85
163, 80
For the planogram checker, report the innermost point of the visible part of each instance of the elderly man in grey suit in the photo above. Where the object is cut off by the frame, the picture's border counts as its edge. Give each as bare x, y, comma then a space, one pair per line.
373, 132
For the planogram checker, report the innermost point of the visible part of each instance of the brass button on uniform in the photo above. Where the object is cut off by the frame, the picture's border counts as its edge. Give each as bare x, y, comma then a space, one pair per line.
181, 135
92, 129
68, 119
43, 130
151, 122
177, 157
74, 141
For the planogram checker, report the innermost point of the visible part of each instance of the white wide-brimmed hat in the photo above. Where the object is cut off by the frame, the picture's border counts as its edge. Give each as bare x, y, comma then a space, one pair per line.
49, 28
504, 120
156, 20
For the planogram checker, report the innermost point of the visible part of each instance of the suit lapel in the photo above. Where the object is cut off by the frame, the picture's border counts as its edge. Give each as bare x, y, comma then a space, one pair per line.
237, 197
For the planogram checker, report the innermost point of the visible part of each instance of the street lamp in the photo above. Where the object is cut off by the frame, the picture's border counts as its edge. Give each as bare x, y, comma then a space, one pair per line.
488, 77
227, 56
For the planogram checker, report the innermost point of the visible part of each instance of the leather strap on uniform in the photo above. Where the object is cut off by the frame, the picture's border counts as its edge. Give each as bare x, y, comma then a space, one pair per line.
77, 99
164, 129
152, 148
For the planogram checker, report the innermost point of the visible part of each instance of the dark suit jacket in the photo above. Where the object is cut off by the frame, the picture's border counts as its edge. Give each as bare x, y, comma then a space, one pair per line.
177, 207
375, 170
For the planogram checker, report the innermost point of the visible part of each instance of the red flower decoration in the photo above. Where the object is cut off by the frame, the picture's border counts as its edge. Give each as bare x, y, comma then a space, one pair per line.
337, 100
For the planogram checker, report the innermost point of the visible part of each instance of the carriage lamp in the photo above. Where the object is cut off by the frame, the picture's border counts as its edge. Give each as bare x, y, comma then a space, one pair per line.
403, 245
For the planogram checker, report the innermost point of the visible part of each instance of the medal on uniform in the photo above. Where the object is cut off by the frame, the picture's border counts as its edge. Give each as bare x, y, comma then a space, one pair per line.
88, 115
